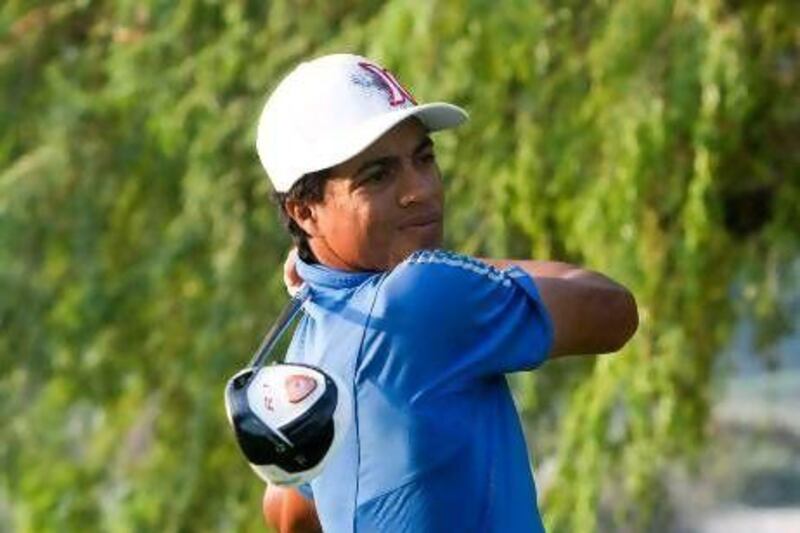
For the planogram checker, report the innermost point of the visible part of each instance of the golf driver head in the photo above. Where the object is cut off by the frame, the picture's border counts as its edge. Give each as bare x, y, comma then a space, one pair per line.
288, 419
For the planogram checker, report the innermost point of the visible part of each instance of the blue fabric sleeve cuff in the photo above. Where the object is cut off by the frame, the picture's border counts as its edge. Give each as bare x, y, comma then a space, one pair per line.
525, 281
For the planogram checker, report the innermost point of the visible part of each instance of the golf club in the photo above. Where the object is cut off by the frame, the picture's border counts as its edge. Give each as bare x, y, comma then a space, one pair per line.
287, 418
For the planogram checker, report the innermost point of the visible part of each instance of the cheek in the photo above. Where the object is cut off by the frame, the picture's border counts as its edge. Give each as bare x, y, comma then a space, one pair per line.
374, 225
361, 230
354, 230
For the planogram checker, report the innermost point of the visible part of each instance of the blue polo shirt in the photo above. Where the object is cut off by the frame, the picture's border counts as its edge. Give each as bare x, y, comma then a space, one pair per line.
436, 443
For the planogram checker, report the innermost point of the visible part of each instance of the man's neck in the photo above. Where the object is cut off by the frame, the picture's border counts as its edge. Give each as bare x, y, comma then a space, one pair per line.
324, 255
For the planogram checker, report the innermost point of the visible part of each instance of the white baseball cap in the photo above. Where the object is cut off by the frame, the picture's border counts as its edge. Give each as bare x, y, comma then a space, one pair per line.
329, 109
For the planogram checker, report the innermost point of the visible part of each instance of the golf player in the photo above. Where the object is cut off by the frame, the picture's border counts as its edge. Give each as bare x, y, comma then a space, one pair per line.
423, 337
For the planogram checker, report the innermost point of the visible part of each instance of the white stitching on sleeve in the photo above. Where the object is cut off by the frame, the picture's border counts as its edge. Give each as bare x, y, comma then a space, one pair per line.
460, 261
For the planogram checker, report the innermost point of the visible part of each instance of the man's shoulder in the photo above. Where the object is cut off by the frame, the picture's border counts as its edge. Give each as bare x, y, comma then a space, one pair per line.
445, 266
439, 277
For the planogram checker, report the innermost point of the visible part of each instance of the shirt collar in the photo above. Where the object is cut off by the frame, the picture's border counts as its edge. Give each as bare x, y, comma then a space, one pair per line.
318, 275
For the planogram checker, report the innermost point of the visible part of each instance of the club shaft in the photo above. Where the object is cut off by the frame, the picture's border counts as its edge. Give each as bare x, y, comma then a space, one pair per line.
276, 331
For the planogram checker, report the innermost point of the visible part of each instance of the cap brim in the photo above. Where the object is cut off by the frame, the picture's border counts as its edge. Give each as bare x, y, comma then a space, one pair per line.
434, 116
440, 115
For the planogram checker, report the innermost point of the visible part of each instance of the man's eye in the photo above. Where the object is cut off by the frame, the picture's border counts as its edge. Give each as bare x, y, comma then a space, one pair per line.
427, 157
375, 176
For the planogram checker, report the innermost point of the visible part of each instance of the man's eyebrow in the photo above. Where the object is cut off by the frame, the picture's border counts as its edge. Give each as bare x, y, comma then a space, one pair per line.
425, 143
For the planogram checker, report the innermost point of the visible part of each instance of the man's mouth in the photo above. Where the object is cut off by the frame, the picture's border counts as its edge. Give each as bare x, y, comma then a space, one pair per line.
422, 221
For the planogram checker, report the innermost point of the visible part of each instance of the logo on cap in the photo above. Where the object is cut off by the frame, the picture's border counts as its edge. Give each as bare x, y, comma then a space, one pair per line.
298, 387
397, 93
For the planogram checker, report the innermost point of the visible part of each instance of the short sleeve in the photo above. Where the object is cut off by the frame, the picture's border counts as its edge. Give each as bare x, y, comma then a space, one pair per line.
459, 318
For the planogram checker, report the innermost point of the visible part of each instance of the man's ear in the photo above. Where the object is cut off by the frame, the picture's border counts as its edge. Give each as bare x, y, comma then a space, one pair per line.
303, 214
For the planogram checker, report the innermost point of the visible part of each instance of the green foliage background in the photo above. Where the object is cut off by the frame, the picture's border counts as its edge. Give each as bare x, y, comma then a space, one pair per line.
655, 140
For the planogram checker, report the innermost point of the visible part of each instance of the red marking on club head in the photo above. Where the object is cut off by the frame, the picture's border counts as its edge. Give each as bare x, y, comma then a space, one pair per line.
298, 387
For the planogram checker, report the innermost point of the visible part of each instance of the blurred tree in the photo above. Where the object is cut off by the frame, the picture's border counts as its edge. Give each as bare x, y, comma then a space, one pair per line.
139, 258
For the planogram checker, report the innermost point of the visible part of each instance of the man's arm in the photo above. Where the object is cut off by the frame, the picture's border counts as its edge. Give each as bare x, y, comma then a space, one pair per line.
288, 511
591, 313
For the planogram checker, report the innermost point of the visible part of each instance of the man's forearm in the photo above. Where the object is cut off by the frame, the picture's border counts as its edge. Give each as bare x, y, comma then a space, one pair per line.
286, 510
556, 269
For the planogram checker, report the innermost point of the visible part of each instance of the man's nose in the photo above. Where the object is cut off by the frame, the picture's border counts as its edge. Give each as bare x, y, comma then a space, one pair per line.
419, 184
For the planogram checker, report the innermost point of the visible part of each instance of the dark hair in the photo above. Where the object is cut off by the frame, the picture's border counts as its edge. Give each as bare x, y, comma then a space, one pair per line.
309, 188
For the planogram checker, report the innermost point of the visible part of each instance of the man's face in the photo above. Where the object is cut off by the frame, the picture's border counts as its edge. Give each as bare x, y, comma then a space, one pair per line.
381, 205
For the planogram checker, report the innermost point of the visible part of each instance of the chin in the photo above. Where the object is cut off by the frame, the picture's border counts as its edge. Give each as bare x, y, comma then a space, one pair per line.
403, 255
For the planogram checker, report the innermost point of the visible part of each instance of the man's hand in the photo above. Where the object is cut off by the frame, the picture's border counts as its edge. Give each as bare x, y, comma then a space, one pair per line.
291, 278
288, 511
591, 314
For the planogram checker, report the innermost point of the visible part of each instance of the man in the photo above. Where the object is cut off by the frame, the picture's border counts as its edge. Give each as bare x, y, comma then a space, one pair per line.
423, 337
